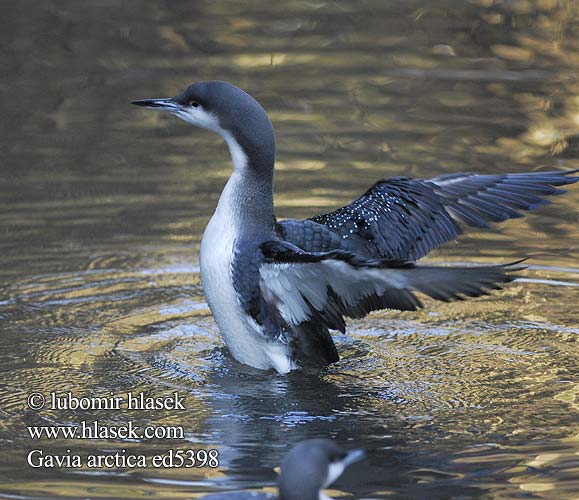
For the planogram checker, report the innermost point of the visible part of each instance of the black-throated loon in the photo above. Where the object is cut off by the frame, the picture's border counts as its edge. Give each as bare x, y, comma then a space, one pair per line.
276, 288
309, 467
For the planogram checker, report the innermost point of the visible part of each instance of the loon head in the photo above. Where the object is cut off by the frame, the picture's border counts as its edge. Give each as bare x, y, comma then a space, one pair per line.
232, 113
312, 465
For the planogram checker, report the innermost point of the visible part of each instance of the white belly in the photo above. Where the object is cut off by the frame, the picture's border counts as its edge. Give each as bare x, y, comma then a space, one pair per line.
241, 333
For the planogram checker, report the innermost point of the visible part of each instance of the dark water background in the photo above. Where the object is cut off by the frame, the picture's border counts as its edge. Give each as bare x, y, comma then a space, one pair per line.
102, 208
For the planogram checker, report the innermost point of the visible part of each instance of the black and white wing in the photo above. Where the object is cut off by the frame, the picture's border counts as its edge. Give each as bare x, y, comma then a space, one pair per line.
324, 287
404, 219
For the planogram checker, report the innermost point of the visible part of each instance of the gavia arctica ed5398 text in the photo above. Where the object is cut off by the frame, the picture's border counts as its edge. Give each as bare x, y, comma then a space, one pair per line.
276, 288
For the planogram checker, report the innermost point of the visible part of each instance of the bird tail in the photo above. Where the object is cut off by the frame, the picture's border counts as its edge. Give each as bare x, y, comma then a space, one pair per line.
313, 346
458, 282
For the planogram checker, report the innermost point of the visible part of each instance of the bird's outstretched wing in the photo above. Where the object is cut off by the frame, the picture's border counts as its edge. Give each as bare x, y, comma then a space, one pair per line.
326, 286
404, 219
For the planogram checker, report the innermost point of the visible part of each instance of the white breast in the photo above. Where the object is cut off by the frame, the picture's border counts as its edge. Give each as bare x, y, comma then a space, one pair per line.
241, 333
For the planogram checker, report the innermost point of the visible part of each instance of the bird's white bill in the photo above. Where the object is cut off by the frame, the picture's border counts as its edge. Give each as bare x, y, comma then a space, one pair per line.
353, 456
335, 469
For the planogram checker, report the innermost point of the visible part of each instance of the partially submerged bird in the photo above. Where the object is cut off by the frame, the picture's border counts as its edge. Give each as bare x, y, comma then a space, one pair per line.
276, 288
309, 467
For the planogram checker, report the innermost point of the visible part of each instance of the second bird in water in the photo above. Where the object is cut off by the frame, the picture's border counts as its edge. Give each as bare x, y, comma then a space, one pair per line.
309, 467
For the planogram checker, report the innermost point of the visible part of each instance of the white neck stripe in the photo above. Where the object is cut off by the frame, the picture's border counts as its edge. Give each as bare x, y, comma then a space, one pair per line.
238, 156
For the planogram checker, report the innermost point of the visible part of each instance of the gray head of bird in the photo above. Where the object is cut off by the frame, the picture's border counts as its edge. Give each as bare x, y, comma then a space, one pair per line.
311, 466
229, 111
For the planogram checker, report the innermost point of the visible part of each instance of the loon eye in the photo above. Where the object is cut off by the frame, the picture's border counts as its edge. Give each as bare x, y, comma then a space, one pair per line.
194, 104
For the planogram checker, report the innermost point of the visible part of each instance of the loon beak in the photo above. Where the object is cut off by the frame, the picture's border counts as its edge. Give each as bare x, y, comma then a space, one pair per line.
353, 456
167, 104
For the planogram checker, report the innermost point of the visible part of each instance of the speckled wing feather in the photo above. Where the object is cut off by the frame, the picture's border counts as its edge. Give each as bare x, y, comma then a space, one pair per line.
404, 219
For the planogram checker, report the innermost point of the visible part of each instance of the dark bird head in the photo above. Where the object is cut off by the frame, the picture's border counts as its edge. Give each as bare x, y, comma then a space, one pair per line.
312, 465
229, 111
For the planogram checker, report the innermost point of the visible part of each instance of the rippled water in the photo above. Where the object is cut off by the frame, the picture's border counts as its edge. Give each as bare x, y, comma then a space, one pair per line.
102, 208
